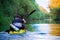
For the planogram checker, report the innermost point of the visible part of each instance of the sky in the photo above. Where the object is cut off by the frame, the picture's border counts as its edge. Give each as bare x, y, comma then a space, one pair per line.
44, 4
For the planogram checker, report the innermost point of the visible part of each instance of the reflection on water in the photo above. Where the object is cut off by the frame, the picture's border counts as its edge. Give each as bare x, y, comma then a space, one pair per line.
41, 28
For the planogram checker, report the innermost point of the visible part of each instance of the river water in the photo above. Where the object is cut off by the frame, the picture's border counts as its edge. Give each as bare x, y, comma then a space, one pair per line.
41, 33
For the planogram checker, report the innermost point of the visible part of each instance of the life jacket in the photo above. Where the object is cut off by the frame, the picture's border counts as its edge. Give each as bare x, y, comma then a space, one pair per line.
17, 22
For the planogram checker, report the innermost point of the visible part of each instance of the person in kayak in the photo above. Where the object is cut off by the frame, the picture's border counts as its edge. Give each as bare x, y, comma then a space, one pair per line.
17, 23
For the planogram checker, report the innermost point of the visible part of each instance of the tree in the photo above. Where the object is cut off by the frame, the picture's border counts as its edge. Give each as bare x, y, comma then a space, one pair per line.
55, 8
10, 8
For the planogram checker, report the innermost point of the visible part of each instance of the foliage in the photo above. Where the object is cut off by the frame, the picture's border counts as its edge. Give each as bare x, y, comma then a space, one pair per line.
55, 10
54, 3
10, 8
56, 14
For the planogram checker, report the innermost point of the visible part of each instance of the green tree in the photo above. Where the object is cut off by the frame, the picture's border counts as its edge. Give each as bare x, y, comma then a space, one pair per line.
56, 13
10, 8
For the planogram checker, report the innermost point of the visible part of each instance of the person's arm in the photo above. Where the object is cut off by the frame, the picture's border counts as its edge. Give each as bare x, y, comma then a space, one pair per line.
24, 20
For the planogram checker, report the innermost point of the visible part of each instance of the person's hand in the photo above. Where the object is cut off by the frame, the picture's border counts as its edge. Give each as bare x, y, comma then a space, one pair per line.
24, 20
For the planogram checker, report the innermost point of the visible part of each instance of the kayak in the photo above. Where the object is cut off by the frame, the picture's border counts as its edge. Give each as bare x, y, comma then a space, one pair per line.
17, 32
